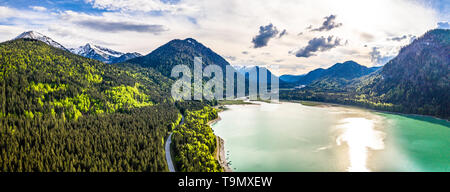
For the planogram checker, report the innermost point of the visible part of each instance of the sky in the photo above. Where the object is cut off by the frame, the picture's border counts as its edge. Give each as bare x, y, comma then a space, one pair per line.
288, 36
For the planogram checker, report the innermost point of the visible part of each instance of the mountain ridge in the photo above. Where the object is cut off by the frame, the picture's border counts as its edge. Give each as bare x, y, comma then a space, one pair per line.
39, 36
176, 52
88, 50
418, 78
347, 71
416, 81
103, 54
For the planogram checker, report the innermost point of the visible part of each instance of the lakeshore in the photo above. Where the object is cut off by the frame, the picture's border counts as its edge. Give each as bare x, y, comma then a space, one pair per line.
219, 153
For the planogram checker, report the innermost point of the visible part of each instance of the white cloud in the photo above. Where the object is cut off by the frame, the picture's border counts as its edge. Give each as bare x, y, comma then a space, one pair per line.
143, 5
38, 8
6, 12
15, 21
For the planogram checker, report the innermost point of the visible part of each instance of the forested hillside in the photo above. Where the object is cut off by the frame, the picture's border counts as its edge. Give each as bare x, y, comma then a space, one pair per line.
63, 112
195, 142
418, 79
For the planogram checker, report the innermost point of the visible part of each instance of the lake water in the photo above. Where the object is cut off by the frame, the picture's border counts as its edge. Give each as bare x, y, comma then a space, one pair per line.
294, 137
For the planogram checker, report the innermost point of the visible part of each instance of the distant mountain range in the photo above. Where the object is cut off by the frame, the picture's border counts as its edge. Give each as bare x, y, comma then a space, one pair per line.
245, 70
291, 78
173, 51
103, 54
89, 50
177, 51
347, 71
415, 81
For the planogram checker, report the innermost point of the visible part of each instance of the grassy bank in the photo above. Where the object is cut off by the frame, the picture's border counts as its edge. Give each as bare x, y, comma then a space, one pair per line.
234, 102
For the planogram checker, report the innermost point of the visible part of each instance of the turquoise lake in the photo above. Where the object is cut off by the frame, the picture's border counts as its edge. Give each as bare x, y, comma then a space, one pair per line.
295, 137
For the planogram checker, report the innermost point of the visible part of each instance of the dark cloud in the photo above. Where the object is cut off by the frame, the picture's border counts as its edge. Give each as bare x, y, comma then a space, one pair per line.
301, 33
375, 54
349, 52
172, 2
106, 26
245, 52
283, 33
398, 38
412, 38
443, 25
367, 36
231, 58
328, 24
193, 20
318, 44
377, 58
292, 67
265, 34
278, 60
401, 38
69, 33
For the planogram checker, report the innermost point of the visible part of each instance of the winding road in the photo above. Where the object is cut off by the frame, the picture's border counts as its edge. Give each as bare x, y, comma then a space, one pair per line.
167, 149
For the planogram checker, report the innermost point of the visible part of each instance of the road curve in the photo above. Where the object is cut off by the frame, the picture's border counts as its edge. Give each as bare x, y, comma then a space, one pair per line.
168, 155
167, 149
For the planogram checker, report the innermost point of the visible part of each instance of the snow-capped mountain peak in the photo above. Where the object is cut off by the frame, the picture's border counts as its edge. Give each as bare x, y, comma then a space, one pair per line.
243, 69
102, 53
40, 37
106, 51
89, 50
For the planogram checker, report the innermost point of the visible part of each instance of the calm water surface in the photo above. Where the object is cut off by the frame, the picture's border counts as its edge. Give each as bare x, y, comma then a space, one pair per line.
294, 137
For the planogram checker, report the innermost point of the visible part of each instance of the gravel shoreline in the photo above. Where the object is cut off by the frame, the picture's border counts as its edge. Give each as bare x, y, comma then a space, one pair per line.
220, 150
220, 155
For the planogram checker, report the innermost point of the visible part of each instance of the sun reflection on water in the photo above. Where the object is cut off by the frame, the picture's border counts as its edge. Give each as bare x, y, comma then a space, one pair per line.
360, 135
